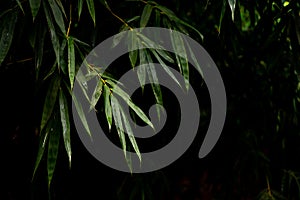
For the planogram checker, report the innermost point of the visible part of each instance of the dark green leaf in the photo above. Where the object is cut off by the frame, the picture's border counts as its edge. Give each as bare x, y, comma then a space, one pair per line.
96, 94
63, 65
8, 27
65, 122
222, 15
50, 101
91, 7
57, 15
71, 60
34, 5
146, 15
80, 3
141, 71
54, 37
53, 145
132, 47
20, 6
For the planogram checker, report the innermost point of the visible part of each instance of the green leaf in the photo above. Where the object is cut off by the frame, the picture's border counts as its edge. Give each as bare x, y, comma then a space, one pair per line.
34, 6
117, 90
118, 121
193, 57
71, 60
58, 16
107, 106
222, 15
42, 145
53, 145
39, 47
65, 122
141, 71
80, 3
132, 47
8, 27
81, 114
232, 4
130, 134
96, 94
54, 38
50, 101
20, 6
91, 7
164, 66
181, 56
63, 65
146, 15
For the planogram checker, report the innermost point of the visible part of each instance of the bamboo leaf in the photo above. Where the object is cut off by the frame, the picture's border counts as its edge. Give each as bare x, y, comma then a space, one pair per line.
117, 90
91, 7
118, 121
132, 47
181, 56
80, 3
8, 27
164, 66
34, 6
141, 71
53, 145
39, 48
63, 65
58, 16
130, 134
65, 122
71, 60
96, 94
108, 106
146, 15
54, 38
222, 15
20, 6
232, 4
50, 101
42, 145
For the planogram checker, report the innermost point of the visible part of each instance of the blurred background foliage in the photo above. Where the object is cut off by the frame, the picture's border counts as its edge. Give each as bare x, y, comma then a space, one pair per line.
256, 46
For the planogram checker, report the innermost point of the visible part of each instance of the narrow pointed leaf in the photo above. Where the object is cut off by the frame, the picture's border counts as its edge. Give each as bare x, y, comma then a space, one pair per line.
71, 60
80, 3
108, 106
130, 134
54, 37
181, 56
141, 71
39, 48
193, 57
118, 122
146, 15
34, 6
63, 64
222, 15
65, 122
8, 27
91, 7
164, 66
20, 6
58, 16
42, 145
50, 101
232, 4
133, 43
96, 94
53, 145
117, 90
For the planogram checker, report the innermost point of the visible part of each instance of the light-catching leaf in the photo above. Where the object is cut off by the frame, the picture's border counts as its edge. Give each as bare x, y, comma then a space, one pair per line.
146, 15
91, 7
50, 101
133, 43
8, 27
79, 4
34, 6
96, 94
71, 61
53, 145
65, 122
141, 71
107, 106
232, 4
58, 16
20, 6
181, 56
